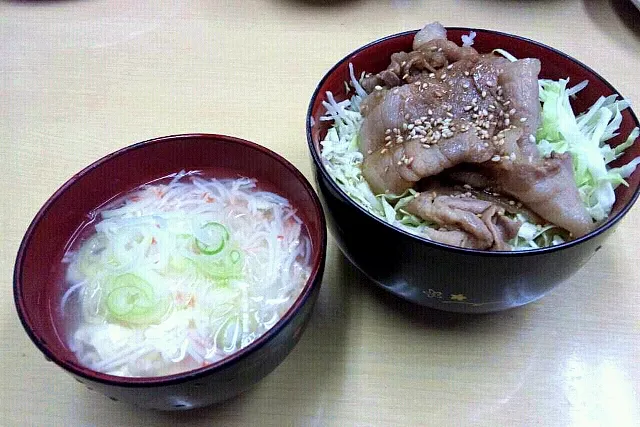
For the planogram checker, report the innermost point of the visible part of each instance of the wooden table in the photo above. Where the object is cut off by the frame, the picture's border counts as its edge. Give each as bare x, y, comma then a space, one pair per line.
79, 79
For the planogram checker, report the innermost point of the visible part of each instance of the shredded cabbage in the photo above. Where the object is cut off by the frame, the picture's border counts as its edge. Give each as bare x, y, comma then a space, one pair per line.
585, 138
343, 160
561, 131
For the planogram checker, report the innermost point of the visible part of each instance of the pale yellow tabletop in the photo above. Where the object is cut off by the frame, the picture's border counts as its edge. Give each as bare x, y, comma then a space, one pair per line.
79, 79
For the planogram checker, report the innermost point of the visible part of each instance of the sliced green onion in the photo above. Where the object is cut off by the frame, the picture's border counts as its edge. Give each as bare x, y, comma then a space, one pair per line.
235, 256
216, 235
128, 299
225, 268
131, 300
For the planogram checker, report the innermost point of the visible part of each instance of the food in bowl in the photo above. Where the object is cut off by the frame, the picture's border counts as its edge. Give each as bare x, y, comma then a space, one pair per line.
442, 276
474, 150
60, 225
180, 273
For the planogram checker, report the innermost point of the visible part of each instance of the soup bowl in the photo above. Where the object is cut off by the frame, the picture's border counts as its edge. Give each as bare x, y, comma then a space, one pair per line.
37, 289
438, 275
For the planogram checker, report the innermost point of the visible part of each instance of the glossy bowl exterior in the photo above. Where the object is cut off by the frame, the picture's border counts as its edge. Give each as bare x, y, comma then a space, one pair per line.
37, 294
442, 276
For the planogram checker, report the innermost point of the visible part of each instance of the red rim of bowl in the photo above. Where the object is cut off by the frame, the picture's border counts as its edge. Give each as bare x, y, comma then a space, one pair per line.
316, 272
318, 160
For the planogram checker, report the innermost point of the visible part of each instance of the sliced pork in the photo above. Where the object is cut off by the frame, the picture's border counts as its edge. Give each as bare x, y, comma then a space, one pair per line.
445, 108
477, 224
455, 115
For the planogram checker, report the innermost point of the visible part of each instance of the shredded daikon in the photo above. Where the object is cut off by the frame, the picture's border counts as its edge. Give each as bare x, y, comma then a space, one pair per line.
182, 272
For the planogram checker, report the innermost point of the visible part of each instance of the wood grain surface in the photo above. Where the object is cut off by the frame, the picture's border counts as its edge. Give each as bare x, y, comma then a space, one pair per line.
80, 79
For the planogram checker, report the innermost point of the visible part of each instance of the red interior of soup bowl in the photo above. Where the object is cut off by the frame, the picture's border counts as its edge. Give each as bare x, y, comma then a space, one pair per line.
37, 271
375, 56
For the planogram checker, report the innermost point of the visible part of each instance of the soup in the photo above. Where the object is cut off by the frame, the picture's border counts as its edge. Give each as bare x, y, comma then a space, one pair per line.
180, 273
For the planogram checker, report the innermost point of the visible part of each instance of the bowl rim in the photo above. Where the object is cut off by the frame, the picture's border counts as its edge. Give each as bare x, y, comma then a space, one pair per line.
318, 162
314, 280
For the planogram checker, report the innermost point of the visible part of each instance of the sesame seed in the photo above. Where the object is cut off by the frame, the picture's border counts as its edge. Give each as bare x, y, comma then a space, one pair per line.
512, 111
449, 108
495, 158
429, 112
407, 116
426, 146
532, 139
465, 85
512, 203
507, 122
410, 126
474, 101
433, 48
403, 63
384, 150
387, 131
512, 156
405, 77
378, 87
438, 94
432, 75
484, 94
506, 103
449, 114
443, 76
490, 83
466, 73
450, 66
418, 83
387, 138
486, 144
467, 186
386, 169
523, 119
